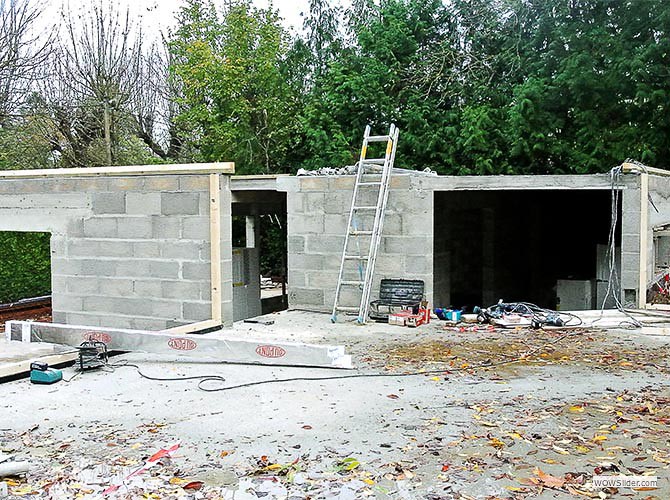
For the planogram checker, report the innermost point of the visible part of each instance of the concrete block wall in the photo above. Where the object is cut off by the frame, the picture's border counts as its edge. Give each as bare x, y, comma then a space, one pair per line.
246, 283
126, 252
318, 209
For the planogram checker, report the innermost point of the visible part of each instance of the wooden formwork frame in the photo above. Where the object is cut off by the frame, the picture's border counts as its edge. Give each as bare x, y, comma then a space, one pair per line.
213, 169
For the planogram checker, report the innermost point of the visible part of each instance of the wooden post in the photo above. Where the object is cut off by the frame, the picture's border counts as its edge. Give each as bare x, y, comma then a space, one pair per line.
644, 244
215, 243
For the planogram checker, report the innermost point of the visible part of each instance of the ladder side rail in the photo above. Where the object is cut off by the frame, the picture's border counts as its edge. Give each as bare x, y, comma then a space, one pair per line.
378, 223
350, 219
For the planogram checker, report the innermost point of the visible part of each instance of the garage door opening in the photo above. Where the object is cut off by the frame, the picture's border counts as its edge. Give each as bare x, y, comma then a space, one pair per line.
544, 247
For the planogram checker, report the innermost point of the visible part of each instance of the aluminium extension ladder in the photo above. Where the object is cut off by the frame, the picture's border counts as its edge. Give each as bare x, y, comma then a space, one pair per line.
363, 259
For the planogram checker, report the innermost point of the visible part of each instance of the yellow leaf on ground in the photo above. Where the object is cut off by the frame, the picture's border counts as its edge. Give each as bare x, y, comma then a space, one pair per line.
576, 409
582, 449
496, 443
272, 467
368, 481
178, 480
598, 439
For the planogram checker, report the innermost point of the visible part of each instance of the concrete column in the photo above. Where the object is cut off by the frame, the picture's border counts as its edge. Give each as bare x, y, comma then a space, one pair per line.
253, 231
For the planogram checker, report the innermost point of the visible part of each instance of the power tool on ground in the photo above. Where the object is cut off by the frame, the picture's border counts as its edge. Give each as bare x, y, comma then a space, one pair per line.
40, 373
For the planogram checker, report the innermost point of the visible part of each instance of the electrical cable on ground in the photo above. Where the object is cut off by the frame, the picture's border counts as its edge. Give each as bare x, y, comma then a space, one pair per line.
218, 378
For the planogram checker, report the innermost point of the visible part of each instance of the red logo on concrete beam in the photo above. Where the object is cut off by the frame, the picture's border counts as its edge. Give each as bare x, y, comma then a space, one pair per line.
180, 344
270, 351
98, 337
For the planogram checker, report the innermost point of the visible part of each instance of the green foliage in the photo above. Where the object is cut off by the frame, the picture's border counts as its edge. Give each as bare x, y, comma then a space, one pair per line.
25, 265
236, 103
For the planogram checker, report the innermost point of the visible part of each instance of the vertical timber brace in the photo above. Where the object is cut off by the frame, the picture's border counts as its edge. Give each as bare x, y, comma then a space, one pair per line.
644, 243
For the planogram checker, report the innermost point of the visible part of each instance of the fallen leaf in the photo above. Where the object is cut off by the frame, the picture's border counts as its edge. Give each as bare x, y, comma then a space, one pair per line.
307, 427
393, 396
193, 485
548, 479
445, 467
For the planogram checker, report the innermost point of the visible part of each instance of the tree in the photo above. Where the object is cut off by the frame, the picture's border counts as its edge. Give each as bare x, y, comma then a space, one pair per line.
235, 103
22, 51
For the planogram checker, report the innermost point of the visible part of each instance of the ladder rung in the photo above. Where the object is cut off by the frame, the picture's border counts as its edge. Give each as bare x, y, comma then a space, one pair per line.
347, 308
375, 161
379, 138
352, 282
369, 183
355, 257
366, 208
360, 233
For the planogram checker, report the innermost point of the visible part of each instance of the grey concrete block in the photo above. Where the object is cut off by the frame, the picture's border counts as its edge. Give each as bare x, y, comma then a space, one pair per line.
116, 287
204, 204
182, 290
165, 227
205, 291
195, 228
161, 183
407, 245
305, 296
82, 248
314, 202
196, 270
100, 227
126, 183
80, 319
182, 250
180, 203
305, 224
193, 183
59, 317
109, 203
196, 311
630, 243
296, 244
313, 183
143, 203
58, 245
166, 309
337, 203
135, 227
305, 261
322, 244
297, 278
322, 279
147, 288
343, 183
83, 285
67, 302
146, 249
148, 269
98, 267
335, 224
418, 264
99, 248
295, 204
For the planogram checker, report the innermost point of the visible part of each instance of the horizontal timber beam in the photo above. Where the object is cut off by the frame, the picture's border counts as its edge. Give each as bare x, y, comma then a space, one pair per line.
181, 169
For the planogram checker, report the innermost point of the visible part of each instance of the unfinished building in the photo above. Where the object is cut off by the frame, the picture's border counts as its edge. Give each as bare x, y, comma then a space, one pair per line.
132, 247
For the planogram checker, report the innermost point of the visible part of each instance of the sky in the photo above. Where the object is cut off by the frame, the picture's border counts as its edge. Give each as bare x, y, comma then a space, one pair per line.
158, 15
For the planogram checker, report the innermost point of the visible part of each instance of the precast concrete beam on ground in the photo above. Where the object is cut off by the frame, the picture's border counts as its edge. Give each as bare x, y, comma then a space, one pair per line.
202, 347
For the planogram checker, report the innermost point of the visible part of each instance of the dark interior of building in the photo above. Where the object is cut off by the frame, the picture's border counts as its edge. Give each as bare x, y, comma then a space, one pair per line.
517, 245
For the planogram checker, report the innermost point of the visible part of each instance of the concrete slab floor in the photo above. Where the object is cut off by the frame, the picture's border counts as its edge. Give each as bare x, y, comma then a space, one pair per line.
479, 426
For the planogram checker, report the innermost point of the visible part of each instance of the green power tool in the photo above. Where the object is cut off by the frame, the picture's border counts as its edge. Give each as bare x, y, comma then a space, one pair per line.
40, 373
